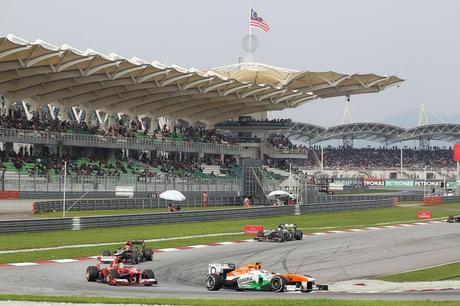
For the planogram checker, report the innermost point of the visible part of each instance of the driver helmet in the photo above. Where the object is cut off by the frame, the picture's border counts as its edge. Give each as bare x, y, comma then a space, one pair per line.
121, 265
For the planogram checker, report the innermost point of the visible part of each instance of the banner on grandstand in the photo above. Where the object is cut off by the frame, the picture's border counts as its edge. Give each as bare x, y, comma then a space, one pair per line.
335, 186
428, 183
451, 185
399, 183
348, 181
370, 181
457, 152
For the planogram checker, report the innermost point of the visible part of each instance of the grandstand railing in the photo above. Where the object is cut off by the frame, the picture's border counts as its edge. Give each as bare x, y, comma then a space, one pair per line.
255, 123
274, 152
114, 142
108, 183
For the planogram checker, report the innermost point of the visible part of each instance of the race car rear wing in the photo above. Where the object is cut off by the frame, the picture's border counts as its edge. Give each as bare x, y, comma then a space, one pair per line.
216, 268
106, 259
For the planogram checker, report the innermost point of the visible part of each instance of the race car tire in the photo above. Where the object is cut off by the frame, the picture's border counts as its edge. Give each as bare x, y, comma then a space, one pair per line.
106, 253
148, 254
287, 236
277, 283
134, 258
148, 274
213, 282
281, 237
92, 274
111, 275
298, 235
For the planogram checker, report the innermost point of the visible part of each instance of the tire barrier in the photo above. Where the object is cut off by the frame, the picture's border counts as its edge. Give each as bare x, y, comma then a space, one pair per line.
78, 223
439, 200
9, 195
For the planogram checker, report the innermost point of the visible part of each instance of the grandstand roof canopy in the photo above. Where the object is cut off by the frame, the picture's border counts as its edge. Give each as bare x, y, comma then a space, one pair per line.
304, 131
321, 84
41, 73
379, 132
445, 132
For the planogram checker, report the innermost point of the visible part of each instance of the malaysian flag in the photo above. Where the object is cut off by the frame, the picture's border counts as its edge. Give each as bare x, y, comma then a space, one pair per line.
258, 22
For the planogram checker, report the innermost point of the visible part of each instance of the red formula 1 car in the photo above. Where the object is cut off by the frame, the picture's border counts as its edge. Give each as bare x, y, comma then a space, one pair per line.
113, 271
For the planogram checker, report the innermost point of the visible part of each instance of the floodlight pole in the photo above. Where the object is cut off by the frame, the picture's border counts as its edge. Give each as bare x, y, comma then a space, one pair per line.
444, 184
401, 162
250, 30
424, 181
65, 181
322, 159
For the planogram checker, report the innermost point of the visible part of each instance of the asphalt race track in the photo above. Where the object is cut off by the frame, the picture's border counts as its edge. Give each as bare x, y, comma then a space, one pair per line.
328, 258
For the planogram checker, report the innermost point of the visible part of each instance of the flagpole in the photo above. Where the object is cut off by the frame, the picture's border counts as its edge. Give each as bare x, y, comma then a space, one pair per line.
250, 31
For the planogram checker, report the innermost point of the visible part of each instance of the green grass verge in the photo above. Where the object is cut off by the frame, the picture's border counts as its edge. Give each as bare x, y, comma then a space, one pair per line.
91, 251
84, 213
308, 222
440, 273
223, 302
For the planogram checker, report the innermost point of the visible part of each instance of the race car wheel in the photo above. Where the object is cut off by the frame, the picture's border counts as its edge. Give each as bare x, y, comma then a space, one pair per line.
277, 283
92, 274
148, 254
148, 274
135, 259
281, 237
213, 282
106, 253
287, 236
111, 275
298, 235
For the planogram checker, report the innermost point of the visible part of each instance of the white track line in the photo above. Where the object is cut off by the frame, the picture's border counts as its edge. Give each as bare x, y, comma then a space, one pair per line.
64, 260
115, 243
24, 264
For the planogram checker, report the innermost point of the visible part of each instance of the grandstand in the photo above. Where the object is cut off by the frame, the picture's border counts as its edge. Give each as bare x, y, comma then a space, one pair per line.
126, 119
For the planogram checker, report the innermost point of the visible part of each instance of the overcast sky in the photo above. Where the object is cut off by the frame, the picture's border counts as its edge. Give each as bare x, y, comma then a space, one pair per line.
415, 40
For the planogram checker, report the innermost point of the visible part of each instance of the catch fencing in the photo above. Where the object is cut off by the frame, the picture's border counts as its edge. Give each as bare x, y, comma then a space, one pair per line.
340, 198
109, 183
78, 223
135, 203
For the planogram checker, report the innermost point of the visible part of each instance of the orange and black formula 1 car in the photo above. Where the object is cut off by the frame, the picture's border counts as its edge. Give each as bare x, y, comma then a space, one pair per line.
113, 271
253, 277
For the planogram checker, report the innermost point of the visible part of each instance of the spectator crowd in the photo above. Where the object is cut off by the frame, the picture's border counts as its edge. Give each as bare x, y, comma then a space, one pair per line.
372, 158
41, 120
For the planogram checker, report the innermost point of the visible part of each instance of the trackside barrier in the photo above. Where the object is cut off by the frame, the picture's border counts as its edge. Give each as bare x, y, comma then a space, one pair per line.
127, 203
440, 200
186, 216
124, 191
52, 195
9, 195
432, 200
